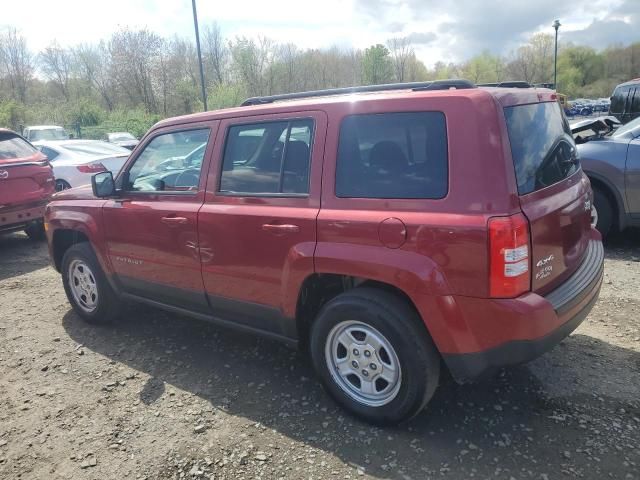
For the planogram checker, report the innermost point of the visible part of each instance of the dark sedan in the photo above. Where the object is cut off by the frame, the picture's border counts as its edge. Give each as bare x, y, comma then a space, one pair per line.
611, 159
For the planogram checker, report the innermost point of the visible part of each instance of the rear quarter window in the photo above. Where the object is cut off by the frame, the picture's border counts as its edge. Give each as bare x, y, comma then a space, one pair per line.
542, 147
393, 155
12, 146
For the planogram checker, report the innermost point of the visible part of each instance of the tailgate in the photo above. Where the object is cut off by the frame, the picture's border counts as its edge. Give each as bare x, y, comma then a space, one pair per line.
560, 223
554, 193
23, 183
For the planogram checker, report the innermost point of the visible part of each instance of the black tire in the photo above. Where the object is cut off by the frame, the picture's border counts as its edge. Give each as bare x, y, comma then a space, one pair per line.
35, 231
62, 185
108, 304
603, 206
398, 322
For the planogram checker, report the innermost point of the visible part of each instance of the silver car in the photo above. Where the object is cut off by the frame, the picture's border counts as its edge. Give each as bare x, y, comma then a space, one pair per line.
610, 157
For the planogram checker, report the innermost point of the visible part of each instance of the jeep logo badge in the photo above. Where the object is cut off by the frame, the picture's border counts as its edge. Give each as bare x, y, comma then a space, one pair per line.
4, 174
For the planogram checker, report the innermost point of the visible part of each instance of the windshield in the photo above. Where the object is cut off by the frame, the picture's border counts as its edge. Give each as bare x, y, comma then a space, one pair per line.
96, 148
48, 134
542, 147
632, 125
121, 137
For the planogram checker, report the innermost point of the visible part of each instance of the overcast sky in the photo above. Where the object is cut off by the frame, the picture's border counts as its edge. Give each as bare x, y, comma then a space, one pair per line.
448, 30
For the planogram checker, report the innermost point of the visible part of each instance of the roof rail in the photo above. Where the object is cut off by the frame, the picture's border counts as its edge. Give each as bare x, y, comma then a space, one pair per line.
415, 86
509, 84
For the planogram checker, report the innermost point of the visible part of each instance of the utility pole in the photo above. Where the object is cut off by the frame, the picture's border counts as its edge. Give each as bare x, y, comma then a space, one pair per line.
195, 25
556, 25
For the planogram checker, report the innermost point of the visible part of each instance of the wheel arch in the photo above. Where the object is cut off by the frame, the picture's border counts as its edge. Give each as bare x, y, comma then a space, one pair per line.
319, 288
62, 240
613, 194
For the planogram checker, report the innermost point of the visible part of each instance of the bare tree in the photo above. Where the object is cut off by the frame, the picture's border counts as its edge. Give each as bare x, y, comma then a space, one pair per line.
94, 64
216, 53
401, 52
57, 64
133, 55
16, 61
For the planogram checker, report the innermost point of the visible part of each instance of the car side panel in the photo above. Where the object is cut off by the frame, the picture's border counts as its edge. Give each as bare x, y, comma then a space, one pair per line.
441, 246
632, 177
84, 216
604, 161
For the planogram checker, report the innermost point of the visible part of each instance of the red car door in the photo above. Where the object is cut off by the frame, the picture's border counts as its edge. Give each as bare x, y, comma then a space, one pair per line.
257, 227
151, 228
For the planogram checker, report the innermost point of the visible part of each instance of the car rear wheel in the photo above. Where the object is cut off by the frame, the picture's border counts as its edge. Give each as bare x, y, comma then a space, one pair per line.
601, 212
35, 231
374, 355
86, 285
62, 185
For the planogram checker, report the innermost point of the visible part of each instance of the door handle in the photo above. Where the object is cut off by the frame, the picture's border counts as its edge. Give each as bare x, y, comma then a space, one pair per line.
173, 221
280, 229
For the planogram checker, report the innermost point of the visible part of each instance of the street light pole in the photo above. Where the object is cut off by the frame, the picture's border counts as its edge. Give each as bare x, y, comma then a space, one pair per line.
195, 24
556, 25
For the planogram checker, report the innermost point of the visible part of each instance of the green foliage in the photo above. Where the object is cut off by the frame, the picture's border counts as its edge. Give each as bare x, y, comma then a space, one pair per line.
11, 114
376, 65
225, 95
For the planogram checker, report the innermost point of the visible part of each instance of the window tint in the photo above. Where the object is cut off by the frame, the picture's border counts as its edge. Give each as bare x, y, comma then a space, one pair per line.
12, 146
393, 155
635, 108
169, 163
618, 99
50, 153
268, 158
542, 147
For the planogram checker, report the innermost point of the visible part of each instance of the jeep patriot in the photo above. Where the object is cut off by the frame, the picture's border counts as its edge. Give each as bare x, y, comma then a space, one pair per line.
391, 230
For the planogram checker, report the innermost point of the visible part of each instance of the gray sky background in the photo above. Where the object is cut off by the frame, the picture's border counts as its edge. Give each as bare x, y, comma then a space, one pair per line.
445, 30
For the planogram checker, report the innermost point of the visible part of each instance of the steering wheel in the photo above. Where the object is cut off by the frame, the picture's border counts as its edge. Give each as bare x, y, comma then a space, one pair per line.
191, 178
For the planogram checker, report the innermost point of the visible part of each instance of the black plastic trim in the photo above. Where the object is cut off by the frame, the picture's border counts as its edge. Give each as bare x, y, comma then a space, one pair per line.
415, 86
579, 285
291, 342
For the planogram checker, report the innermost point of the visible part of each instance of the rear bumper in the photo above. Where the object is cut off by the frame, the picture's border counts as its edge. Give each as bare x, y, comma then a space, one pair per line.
536, 323
20, 218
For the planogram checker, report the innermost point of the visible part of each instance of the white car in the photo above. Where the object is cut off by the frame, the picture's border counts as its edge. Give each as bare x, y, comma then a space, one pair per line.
74, 162
39, 133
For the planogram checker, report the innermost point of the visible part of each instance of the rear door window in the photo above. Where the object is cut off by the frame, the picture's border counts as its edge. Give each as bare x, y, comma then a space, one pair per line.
268, 158
393, 155
12, 146
542, 147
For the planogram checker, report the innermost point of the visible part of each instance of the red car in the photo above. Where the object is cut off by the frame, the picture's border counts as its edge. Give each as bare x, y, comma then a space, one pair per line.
391, 230
26, 184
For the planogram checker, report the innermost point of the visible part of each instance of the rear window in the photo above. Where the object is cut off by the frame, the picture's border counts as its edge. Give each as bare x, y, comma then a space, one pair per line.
12, 146
393, 155
542, 147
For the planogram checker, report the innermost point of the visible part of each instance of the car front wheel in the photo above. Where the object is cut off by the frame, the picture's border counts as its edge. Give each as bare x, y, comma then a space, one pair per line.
86, 285
374, 355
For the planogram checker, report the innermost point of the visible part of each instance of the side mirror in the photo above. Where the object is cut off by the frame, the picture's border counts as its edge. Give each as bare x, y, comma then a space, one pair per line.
103, 185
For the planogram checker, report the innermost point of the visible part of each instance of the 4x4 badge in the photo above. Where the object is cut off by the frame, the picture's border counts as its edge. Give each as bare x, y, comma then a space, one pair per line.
4, 174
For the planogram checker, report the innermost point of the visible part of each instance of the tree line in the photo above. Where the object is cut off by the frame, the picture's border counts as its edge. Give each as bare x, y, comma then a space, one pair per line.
136, 77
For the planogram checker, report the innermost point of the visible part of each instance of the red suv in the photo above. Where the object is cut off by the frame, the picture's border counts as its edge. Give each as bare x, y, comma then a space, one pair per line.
392, 230
26, 183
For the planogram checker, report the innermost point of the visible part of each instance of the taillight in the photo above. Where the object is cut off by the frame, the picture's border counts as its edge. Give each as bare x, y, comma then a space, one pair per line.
92, 168
509, 273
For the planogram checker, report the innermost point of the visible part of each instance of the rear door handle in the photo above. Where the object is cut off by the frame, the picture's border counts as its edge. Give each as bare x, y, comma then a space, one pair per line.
173, 221
280, 229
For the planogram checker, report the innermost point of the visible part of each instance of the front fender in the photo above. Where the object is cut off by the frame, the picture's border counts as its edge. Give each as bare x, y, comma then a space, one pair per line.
84, 217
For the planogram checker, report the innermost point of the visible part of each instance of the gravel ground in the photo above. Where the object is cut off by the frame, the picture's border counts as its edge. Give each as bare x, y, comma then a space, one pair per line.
156, 396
